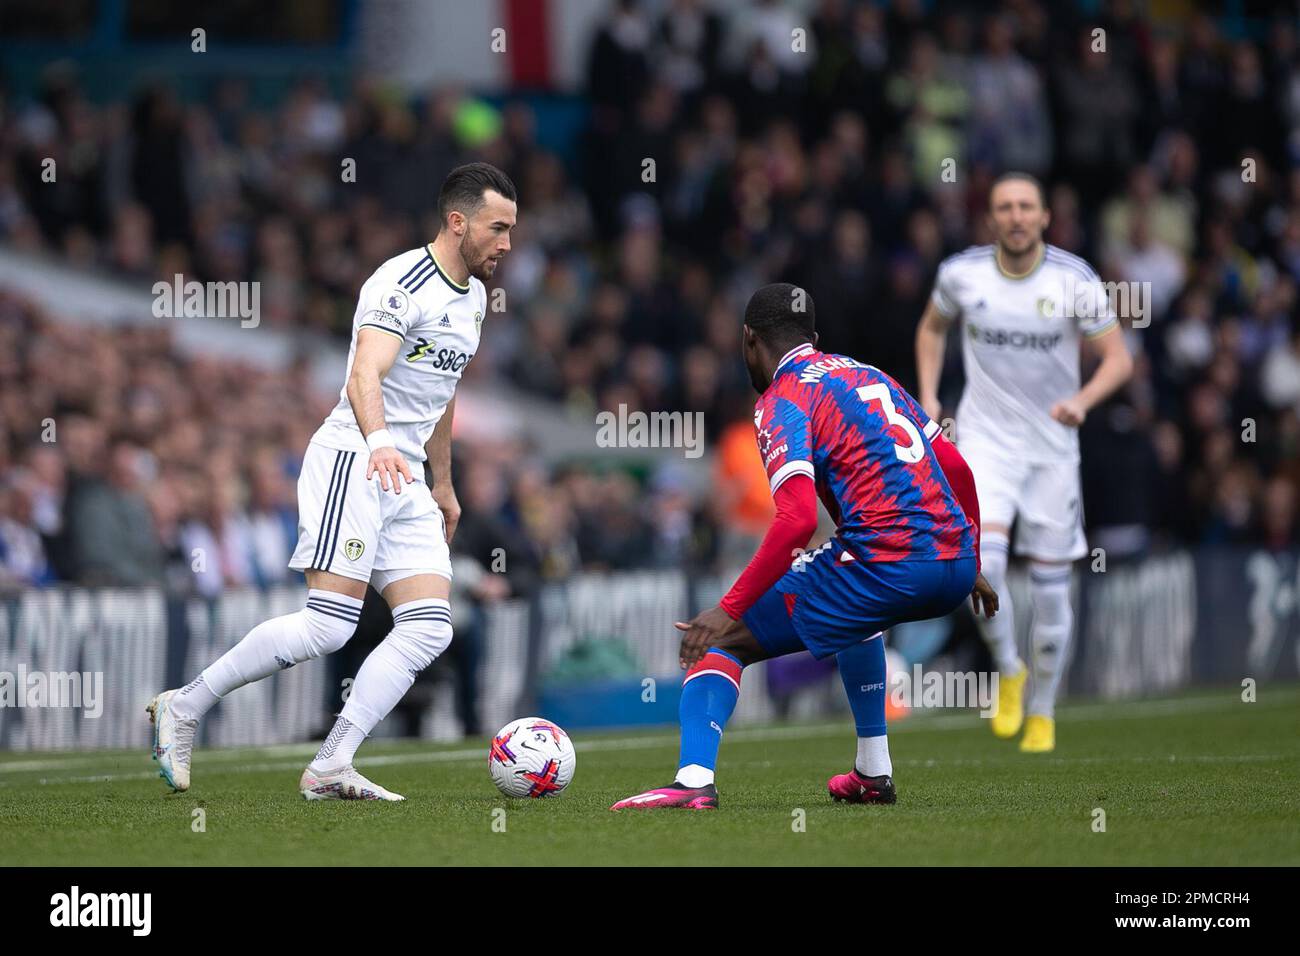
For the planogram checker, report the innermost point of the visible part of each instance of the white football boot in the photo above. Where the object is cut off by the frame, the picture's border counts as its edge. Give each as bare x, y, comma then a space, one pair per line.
173, 741
342, 784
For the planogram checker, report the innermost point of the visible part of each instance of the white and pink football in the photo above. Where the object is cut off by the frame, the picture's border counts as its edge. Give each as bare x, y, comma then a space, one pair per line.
531, 757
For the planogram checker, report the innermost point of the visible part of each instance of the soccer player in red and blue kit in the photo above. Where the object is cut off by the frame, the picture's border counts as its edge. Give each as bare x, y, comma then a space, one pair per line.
905, 547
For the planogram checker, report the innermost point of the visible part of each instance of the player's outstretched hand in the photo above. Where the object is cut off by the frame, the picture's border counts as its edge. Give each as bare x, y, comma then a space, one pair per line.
389, 464
702, 632
984, 592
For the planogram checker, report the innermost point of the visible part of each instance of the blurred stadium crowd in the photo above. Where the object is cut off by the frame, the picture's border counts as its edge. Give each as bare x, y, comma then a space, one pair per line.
1171, 157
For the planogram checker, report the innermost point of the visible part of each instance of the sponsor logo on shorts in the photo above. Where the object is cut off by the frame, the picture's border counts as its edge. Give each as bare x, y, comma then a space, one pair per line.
353, 548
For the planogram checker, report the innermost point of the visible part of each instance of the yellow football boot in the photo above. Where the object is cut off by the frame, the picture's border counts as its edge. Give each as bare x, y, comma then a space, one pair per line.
1040, 735
1011, 711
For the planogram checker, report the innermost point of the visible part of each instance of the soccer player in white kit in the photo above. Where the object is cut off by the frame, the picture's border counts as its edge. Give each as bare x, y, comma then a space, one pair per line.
1026, 308
365, 514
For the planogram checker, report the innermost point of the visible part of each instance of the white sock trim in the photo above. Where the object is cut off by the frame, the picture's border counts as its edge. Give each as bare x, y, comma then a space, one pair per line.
873, 757
693, 775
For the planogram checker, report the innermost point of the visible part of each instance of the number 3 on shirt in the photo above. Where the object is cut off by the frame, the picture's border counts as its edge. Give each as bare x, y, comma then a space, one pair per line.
880, 392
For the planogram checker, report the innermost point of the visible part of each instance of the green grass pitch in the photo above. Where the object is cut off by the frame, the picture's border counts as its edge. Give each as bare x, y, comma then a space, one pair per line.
1199, 779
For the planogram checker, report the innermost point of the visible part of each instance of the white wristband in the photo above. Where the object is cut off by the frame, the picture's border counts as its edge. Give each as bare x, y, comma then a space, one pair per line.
380, 438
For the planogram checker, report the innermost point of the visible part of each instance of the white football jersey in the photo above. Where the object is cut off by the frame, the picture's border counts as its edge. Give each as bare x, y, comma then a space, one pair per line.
1020, 346
438, 321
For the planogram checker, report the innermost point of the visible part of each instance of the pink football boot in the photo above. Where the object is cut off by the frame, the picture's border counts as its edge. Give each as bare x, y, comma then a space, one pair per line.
853, 787
685, 798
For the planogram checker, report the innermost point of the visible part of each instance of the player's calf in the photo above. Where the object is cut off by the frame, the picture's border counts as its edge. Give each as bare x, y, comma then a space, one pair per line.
1049, 637
863, 671
421, 632
323, 626
326, 623
709, 695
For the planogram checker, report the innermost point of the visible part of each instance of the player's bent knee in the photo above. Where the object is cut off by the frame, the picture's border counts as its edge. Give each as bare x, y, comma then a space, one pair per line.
326, 630
421, 642
1046, 576
744, 647
1049, 588
993, 559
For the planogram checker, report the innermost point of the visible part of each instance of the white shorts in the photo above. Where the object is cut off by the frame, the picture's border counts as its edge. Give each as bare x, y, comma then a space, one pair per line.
350, 526
1045, 496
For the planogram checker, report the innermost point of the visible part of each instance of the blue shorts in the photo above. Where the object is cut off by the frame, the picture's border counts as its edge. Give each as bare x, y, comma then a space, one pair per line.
829, 600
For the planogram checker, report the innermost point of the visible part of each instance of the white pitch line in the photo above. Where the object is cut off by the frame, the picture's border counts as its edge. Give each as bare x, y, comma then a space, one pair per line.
90, 758
454, 756
1022, 760
1027, 759
964, 721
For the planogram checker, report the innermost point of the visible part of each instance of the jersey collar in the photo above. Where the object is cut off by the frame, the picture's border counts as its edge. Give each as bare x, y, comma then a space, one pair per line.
462, 289
799, 351
997, 261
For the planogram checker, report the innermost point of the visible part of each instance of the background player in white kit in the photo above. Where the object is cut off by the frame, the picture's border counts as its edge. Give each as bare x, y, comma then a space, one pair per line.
1026, 307
365, 514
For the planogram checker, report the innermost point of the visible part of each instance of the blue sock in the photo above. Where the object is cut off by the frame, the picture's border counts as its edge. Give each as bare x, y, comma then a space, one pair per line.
708, 698
862, 668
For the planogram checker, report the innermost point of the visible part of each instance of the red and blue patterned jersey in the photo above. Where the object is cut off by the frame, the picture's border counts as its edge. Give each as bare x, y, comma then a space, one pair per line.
865, 443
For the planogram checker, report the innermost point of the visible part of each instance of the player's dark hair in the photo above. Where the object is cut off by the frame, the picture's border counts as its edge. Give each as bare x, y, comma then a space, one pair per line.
1017, 176
464, 187
781, 315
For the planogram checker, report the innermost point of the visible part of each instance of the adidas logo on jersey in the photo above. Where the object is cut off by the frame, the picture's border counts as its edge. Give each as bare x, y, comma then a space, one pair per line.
444, 322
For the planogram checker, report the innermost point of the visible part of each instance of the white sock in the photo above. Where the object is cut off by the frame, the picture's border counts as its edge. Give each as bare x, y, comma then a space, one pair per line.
194, 699
1050, 633
339, 747
421, 631
1000, 633
873, 757
693, 775
327, 623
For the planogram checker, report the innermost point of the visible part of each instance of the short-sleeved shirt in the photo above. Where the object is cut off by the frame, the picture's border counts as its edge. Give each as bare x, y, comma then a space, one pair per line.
1020, 346
865, 443
438, 322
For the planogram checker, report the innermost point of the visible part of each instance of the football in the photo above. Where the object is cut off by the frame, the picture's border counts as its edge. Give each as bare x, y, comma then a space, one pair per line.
531, 757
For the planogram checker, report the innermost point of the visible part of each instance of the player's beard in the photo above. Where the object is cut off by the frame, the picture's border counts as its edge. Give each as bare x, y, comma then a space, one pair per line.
476, 260
1020, 245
